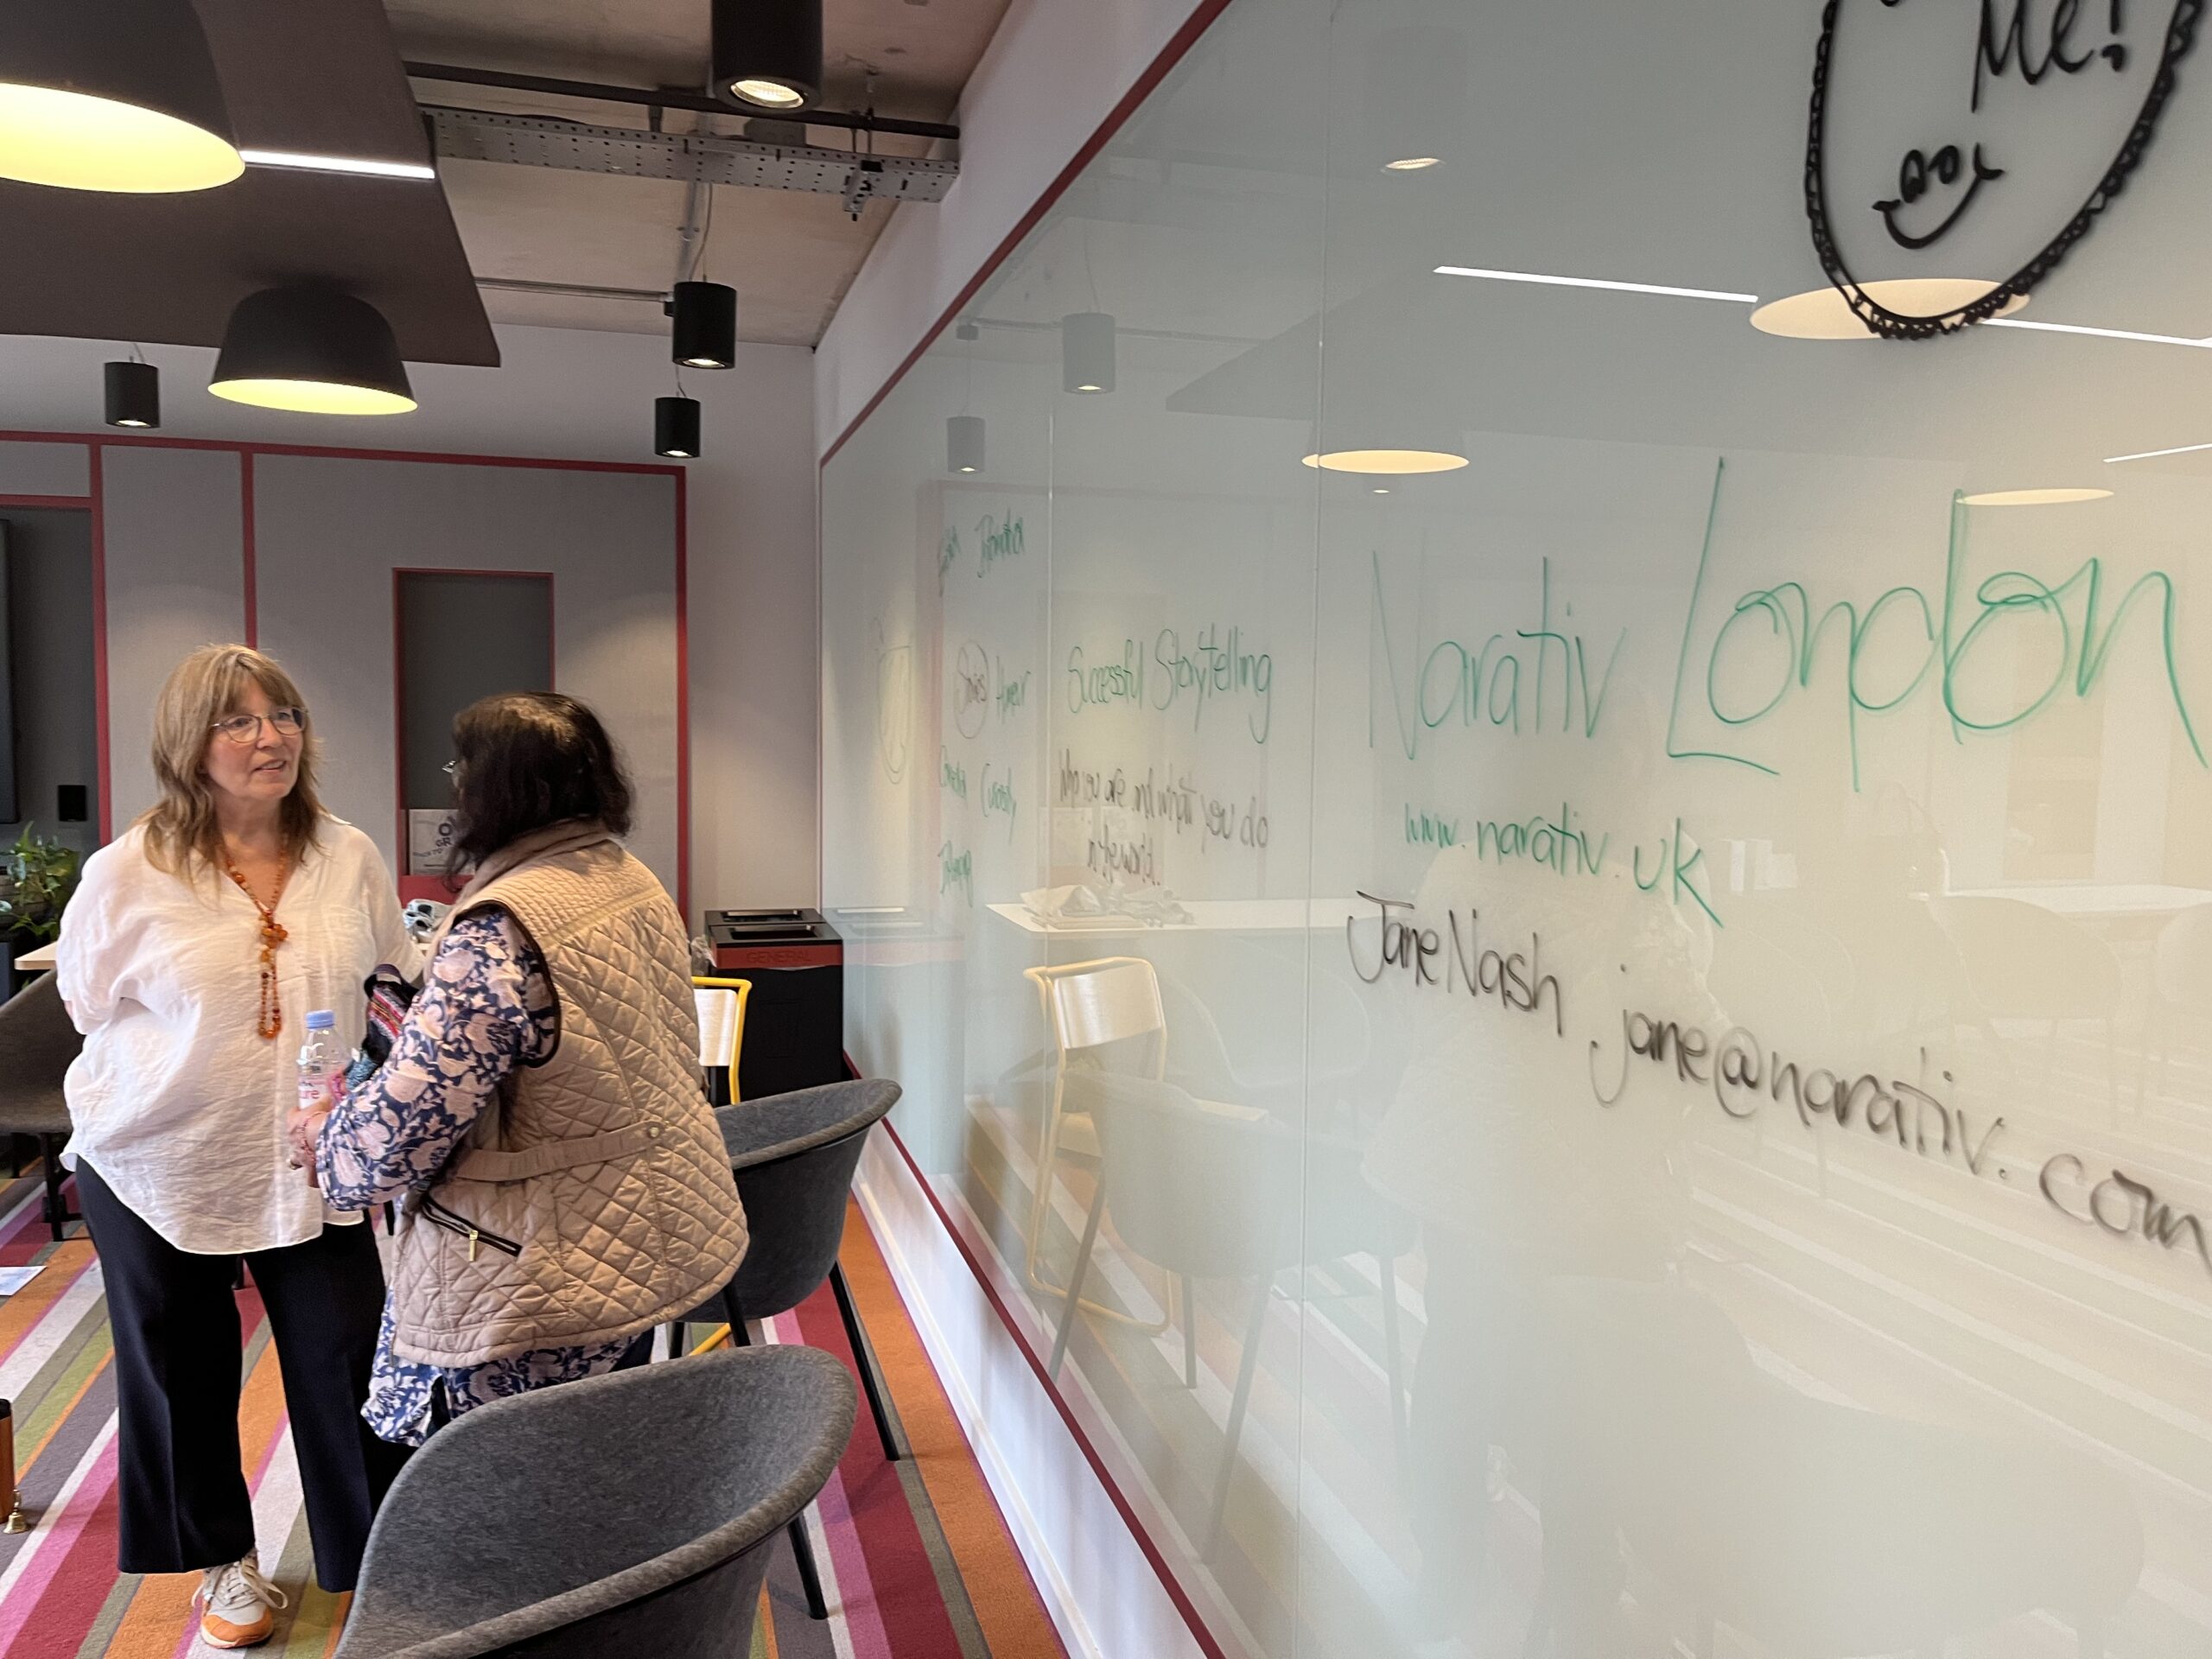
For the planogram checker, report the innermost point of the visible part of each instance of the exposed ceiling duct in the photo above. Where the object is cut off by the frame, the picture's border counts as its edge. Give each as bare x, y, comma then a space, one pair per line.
631, 152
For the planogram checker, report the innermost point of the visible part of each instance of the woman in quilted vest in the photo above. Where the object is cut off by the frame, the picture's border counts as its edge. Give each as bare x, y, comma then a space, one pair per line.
561, 1184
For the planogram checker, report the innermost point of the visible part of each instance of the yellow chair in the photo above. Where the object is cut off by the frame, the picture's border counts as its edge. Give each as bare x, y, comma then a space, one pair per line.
1089, 1006
721, 1033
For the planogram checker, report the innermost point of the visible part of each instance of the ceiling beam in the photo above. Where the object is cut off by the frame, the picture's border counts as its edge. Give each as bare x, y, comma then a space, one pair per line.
661, 99
631, 152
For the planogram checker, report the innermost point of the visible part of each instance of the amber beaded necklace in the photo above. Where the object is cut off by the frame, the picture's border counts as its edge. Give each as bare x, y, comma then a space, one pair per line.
271, 1020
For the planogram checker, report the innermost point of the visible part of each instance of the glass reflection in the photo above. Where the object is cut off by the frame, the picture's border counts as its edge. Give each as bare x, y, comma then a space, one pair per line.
1600, 1053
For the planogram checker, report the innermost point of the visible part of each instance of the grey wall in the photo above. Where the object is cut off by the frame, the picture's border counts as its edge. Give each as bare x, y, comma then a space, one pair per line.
330, 531
49, 621
571, 394
175, 581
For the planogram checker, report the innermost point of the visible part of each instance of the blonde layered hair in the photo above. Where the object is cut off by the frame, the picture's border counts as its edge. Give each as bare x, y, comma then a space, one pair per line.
182, 830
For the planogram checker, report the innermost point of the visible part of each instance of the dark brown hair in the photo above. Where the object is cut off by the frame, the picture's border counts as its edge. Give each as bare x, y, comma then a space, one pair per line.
526, 761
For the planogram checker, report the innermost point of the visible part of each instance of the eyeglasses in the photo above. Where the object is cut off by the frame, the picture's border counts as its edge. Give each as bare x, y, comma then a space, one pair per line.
246, 728
452, 768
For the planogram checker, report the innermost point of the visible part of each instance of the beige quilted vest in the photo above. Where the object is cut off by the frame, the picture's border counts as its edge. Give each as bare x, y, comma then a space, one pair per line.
593, 1199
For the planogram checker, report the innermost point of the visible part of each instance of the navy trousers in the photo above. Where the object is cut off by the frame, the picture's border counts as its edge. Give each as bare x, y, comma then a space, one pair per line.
182, 1498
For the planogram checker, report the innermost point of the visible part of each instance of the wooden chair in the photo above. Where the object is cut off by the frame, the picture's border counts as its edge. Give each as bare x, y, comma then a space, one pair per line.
721, 1033
1090, 1008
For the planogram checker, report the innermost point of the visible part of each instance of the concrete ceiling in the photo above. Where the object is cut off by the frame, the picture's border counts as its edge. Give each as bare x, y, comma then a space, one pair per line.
791, 255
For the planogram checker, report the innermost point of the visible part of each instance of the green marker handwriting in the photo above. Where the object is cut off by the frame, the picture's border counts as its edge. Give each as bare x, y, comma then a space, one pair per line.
1483, 685
1881, 673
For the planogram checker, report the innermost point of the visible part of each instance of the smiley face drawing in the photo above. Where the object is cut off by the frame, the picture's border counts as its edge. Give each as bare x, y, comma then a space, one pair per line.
970, 688
1978, 139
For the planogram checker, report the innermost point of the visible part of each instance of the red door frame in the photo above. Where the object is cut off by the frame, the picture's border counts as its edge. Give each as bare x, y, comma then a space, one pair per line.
98, 443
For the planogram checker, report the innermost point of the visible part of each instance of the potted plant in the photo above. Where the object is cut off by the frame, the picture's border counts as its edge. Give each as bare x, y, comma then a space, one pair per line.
37, 875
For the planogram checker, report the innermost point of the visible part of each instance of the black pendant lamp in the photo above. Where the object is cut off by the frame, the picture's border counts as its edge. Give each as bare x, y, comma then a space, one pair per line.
963, 443
705, 331
134, 394
767, 53
1087, 352
118, 95
675, 428
312, 347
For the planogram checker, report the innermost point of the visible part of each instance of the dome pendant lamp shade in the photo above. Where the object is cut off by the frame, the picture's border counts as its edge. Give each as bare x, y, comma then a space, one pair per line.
767, 53
705, 331
312, 348
134, 394
118, 95
963, 443
1087, 352
676, 427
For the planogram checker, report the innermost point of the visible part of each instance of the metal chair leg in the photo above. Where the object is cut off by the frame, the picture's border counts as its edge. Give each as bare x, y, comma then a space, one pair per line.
1246, 1366
57, 1208
1190, 1334
864, 1359
1393, 1355
739, 1336
1075, 1285
808, 1578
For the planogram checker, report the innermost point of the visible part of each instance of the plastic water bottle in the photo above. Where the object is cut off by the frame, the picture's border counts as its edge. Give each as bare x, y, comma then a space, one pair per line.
320, 1067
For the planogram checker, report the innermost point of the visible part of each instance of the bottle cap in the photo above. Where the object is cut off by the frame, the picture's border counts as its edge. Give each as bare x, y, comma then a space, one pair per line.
321, 1019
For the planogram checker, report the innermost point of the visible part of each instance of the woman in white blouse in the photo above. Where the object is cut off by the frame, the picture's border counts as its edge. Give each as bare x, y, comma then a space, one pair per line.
190, 958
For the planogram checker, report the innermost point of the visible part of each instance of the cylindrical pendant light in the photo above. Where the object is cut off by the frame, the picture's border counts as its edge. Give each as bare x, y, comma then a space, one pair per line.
314, 348
112, 95
767, 53
1418, 92
134, 394
705, 331
1087, 352
676, 427
963, 443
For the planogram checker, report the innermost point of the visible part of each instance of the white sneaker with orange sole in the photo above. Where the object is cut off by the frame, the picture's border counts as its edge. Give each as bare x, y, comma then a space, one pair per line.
237, 1605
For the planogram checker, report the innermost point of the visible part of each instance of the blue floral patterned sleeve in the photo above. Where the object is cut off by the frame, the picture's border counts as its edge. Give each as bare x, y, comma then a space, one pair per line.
487, 1008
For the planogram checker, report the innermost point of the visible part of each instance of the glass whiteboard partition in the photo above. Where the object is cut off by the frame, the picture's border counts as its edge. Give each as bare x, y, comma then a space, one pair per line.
1600, 1050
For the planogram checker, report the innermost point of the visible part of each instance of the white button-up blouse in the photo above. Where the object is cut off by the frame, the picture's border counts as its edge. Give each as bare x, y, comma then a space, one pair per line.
176, 1101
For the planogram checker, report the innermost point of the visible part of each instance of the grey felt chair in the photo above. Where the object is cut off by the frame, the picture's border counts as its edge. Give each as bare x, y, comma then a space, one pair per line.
628, 1513
37, 1043
794, 1155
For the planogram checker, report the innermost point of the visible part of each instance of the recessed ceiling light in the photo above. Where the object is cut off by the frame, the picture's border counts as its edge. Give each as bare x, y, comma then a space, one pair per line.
2098, 333
286, 158
1824, 314
2155, 455
1598, 283
1397, 461
1413, 163
1381, 490
2033, 498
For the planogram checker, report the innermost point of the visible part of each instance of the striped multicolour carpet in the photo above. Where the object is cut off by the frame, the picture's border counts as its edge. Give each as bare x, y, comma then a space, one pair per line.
915, 1556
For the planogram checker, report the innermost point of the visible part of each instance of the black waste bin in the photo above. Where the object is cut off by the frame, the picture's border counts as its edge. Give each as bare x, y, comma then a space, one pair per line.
795, 1017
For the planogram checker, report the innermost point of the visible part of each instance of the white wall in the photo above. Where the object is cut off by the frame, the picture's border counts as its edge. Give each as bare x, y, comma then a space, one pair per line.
1054, 71
589, 397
